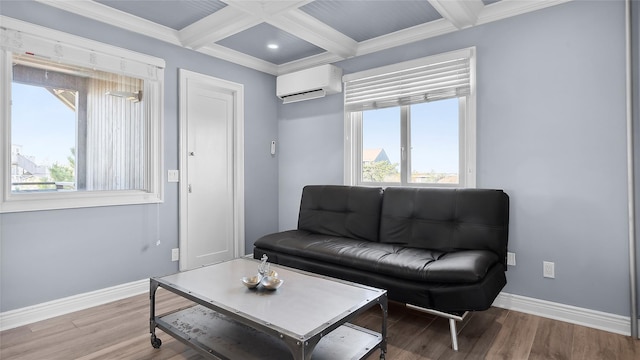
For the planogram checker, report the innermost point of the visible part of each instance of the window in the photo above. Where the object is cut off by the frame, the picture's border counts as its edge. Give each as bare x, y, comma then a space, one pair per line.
81, 124
413, 123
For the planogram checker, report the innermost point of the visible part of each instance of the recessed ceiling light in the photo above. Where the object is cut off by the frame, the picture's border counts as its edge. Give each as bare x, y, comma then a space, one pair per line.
272, 46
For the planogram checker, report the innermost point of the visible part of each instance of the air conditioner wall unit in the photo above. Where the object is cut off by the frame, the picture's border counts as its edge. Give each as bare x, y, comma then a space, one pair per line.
309, 84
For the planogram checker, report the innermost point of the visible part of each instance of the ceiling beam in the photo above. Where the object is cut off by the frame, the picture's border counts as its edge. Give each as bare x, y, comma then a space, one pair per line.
314, 31
406, 36
217, 26
508, 8
308, 62
286, 16
264, 8
462, 14
236, 57
114, 17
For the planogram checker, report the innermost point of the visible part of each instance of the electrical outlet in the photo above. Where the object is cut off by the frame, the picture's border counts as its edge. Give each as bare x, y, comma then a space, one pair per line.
175, 254
511, 258
548, 269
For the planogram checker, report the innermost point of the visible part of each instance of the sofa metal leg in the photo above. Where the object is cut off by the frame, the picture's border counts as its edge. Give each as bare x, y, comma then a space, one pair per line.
452, 321
454, 334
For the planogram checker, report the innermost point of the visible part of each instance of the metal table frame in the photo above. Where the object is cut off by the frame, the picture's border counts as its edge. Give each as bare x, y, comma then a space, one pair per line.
300, 346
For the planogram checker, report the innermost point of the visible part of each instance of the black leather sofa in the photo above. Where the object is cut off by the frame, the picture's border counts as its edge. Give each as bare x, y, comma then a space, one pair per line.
439, 250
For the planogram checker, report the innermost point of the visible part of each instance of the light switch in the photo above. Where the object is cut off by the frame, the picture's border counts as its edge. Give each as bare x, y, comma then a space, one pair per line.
173, 176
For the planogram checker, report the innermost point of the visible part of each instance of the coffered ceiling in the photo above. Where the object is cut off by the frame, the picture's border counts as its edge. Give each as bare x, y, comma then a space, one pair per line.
280, 36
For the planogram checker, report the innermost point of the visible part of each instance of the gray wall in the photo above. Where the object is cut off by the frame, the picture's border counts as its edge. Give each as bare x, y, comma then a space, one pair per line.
47, 255
551, 133
311, 150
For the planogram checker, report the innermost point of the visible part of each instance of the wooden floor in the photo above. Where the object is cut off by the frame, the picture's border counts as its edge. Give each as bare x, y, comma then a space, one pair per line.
120, 330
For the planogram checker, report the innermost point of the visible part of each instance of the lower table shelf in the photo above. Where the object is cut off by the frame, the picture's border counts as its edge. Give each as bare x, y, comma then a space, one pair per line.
214, 334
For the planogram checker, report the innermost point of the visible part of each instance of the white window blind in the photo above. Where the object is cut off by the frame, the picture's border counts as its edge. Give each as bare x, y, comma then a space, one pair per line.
427, 79
72, 50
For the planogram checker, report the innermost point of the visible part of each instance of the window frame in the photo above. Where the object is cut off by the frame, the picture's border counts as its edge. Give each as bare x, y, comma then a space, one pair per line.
467, 130
18, 202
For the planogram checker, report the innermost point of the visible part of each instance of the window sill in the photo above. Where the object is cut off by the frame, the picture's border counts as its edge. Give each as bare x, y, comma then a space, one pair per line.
68, 200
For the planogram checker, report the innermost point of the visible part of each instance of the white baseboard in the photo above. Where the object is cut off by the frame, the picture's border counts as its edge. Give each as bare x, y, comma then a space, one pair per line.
591, 318
38, 312
595, 319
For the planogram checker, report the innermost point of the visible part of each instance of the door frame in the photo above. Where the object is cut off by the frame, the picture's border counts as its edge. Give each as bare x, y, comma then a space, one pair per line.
237, 92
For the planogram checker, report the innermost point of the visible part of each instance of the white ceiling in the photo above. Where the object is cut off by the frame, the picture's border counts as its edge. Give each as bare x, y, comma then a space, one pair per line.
308, 32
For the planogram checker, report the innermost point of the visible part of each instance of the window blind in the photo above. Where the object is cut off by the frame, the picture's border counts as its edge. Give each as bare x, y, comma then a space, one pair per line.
412, 82
72, 50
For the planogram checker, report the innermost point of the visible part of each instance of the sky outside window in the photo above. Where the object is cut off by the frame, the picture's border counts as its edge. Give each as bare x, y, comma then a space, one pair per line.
381, 130
435, 137
41, 124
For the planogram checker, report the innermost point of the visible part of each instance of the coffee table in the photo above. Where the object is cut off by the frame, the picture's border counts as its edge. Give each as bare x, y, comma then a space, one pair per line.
308, 314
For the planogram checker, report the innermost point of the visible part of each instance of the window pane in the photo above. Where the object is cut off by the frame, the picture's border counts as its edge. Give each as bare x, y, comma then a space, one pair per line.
75, 129
381, 145
43, 139
435, 143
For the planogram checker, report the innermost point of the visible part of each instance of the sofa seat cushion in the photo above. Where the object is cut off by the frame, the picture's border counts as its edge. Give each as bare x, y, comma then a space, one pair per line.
424, 265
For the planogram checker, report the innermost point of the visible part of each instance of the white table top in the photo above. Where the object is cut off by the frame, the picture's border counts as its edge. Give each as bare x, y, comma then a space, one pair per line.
302, 305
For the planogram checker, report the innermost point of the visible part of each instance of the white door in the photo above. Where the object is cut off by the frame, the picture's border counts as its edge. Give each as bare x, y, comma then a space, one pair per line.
208, 207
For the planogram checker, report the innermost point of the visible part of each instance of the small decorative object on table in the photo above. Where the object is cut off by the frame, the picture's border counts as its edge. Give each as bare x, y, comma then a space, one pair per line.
263, 268
266, 277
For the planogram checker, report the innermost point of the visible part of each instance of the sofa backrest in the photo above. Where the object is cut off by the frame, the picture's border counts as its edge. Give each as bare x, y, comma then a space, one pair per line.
336, 210
446, 219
